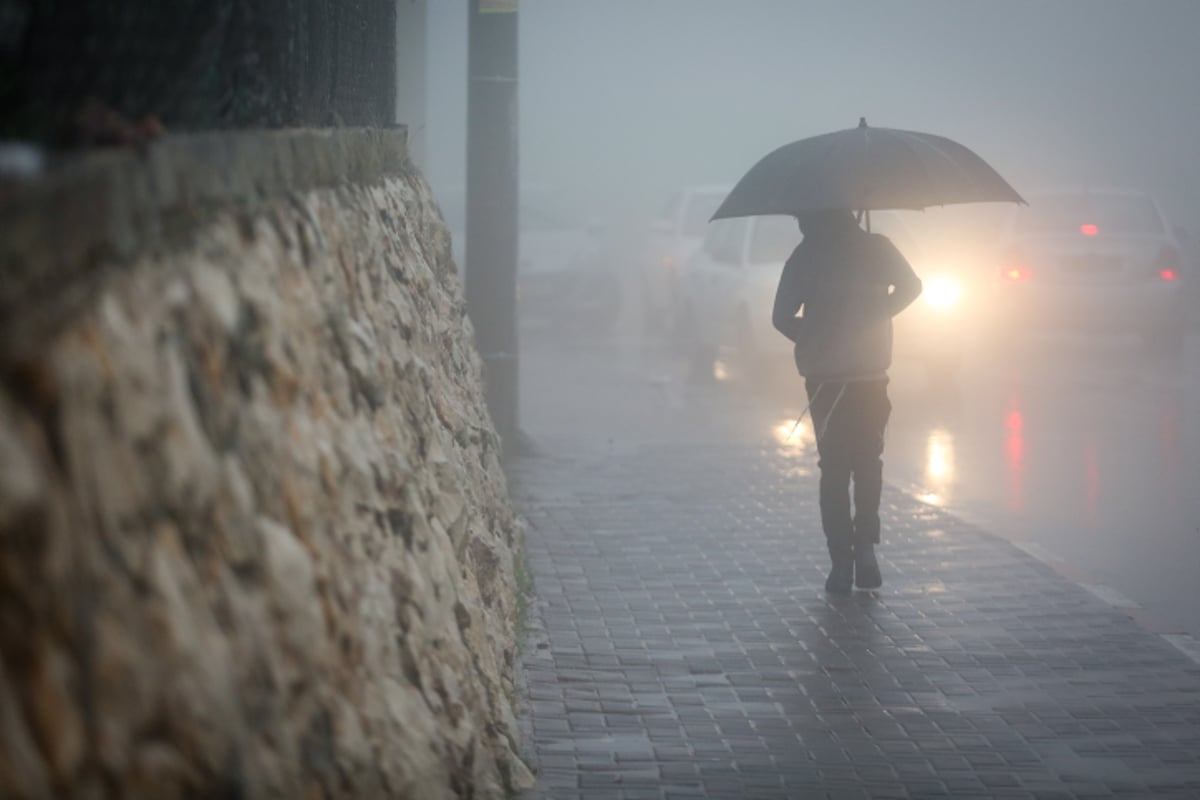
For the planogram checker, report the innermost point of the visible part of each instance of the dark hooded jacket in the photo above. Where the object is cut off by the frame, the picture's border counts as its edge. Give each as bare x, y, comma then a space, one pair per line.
848, 284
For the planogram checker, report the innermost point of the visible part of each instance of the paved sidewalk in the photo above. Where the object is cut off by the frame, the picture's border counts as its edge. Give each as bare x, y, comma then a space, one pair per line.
682, 645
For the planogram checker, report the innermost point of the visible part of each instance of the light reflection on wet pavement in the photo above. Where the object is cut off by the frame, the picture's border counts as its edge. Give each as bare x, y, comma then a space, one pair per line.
1089, 452
681, 641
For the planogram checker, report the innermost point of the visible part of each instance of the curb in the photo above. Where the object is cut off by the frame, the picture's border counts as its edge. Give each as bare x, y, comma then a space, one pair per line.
1183, 642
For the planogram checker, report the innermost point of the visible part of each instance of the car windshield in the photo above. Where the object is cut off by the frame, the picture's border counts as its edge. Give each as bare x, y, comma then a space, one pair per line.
774, 239
1069, 212
724, 240
699, 210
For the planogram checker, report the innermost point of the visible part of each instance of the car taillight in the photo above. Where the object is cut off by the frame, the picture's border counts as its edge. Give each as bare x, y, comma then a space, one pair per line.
1014, 268
1168, 263
1088, 229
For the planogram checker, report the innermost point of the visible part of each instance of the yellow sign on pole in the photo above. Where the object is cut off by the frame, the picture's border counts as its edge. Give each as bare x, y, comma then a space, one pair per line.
497, 6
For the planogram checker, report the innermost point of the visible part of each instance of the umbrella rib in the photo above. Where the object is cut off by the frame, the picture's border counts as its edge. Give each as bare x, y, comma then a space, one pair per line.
941, 154
967, 175
812, 165
865, 168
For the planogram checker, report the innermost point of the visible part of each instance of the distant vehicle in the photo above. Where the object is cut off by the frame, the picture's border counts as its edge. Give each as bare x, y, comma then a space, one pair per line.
939, 329
730, 290
674, 236
1096, 261
563, 278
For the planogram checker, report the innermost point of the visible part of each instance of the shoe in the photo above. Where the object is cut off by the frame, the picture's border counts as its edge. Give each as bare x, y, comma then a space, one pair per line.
866, 567
841, 576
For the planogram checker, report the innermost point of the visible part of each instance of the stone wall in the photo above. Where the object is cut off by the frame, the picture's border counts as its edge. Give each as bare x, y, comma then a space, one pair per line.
255, 538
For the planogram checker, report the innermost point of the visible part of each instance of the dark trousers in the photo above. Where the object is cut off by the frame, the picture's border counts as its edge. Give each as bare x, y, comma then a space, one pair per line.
849, 431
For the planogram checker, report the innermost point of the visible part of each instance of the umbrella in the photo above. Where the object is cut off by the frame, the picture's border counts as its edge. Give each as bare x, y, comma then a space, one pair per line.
862, 169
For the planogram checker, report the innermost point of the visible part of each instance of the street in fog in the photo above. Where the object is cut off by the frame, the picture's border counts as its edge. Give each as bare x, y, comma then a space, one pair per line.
683, 637
1084, 453
697, 626
1084, 449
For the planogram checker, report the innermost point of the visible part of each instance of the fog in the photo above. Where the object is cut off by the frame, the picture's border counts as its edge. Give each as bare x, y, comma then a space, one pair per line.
1067, 445
703, 520
623, 101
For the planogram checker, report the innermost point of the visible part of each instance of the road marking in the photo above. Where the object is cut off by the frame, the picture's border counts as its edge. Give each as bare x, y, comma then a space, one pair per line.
1106, 593
1037, 551
1184, 643
1110, 595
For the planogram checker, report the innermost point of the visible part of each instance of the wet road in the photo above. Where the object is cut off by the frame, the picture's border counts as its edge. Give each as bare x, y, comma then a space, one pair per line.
1085, 454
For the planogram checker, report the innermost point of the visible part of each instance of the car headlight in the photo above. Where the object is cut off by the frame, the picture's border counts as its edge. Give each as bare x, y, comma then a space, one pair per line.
942, 292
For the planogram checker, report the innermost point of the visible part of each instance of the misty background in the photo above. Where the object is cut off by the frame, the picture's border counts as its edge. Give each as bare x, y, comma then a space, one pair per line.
623, 101
1068, 446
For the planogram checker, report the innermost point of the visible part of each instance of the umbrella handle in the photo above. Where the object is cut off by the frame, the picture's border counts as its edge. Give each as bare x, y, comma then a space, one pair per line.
816, 394
818, 431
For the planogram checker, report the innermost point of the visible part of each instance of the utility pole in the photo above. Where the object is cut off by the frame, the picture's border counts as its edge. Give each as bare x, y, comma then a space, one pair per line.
492, 193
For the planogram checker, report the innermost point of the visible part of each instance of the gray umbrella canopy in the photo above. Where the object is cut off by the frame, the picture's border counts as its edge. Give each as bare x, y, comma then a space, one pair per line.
863, 169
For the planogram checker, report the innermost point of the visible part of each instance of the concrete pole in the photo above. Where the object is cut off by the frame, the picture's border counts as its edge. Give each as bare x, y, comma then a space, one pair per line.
491, 252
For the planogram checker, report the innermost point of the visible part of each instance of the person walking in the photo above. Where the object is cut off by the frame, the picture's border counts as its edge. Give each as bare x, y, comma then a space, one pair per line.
835, 301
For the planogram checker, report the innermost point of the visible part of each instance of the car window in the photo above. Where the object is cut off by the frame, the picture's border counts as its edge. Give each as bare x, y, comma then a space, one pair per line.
773, 239
725, 240
670, 211
1069, 212
700, 208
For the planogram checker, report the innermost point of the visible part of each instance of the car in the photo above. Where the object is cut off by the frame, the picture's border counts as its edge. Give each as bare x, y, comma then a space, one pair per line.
672, 239
730, 285
1092, 261
942, 326
564, 279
